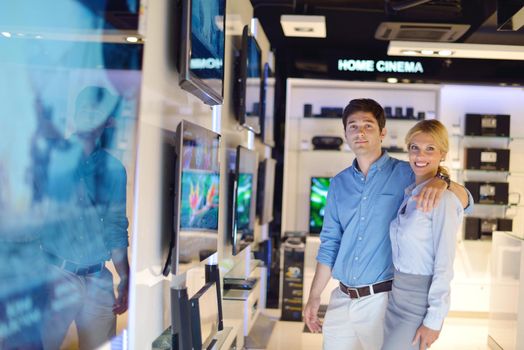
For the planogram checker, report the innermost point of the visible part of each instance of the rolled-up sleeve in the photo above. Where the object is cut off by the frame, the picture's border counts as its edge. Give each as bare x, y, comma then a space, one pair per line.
469, 208
446, 220
331, 233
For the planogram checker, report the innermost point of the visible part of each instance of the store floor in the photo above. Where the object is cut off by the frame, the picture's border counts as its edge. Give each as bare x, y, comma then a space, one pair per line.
458, 333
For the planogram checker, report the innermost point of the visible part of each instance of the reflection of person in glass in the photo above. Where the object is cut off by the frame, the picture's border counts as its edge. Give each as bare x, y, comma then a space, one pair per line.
88, 186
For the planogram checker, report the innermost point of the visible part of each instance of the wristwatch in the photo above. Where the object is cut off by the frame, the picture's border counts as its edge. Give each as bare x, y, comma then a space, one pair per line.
444, 177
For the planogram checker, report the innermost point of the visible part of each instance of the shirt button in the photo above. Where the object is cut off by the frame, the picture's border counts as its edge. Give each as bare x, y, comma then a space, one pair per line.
362, 218
364, 198
362, 178
102, 219
354, 278
359, 238
356, 258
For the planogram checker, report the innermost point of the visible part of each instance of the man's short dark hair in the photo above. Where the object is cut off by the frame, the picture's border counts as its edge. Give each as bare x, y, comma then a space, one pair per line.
365, 105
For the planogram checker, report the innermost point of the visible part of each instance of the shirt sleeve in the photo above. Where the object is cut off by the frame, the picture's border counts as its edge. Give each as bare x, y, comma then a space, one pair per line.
469, 208
116, 222
446, 220
331, 233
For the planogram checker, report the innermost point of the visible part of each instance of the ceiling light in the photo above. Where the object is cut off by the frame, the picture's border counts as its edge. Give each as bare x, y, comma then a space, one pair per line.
427, 52
409, 52
303, 26
38, 37
458, 50
6, 34
392, 80
445, 53
132, 39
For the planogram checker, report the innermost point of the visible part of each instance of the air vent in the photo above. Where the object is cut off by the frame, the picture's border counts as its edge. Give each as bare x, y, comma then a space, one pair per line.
420, 31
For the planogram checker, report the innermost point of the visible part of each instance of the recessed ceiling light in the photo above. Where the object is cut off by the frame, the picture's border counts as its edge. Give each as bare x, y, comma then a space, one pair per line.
427, 52
6, 34
445, 52
38, 37
132, 39
409, 52
392, 80
304, 29
303, 26
406, 81
460, 50
20, 34
503, 84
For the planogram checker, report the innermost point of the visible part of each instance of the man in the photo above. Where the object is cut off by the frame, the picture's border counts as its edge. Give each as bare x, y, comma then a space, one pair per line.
355, 248
87, 188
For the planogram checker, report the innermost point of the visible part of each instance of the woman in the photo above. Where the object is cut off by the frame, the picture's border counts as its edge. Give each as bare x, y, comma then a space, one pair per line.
423, 246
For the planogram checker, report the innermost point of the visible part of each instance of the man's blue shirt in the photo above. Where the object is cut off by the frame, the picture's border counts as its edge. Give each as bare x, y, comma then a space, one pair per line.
355, 236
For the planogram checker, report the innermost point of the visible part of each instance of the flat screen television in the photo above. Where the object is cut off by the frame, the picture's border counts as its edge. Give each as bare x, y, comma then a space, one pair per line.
266, 188
201, 54
317, 203
196, 197
248, 82
266, 110
204, 317
244, 177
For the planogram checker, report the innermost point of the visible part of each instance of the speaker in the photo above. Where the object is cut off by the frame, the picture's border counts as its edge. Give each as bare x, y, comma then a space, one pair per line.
410, 113
487, 159
487, 125
488, 192
398, 112
327, 142
308, 110
505, 225
388, 112
331, 112
472, 228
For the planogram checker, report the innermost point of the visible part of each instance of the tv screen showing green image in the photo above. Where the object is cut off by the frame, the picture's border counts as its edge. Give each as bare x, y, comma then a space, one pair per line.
199, 200
244, 200
317, 202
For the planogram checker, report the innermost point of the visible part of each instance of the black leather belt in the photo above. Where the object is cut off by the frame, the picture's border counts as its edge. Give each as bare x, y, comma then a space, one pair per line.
355, 293
81, 270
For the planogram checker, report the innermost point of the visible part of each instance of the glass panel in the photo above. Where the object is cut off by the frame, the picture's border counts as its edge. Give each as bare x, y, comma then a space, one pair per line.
69, 88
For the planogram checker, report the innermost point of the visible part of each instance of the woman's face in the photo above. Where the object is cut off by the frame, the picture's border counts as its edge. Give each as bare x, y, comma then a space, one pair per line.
424, 155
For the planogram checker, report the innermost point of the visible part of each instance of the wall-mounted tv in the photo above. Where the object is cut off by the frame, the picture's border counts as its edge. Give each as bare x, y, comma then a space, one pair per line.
243, 203
317, 203
266, 110
201, 54
248, 82
196, 197
266, 188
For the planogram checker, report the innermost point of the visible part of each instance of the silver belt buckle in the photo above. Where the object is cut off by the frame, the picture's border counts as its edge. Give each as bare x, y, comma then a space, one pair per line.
356, 290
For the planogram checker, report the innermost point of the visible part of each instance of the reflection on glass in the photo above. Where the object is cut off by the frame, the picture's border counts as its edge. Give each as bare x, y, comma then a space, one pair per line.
67, 119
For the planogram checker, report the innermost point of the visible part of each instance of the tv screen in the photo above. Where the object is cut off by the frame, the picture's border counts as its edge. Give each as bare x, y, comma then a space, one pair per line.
204, 316
196, 196
244, 199
249, 80
317, 202
266, 189
266, 110
201, 57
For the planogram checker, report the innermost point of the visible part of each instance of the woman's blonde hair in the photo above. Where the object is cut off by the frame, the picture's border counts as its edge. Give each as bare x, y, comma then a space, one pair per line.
435, 129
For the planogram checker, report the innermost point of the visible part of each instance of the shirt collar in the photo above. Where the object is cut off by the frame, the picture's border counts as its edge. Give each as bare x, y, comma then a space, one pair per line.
378, 164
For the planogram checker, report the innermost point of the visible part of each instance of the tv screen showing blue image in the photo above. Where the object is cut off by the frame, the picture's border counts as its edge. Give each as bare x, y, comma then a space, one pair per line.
199, 201
207, 39
244, 201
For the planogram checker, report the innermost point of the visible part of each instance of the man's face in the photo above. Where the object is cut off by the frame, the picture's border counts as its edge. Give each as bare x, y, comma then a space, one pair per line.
362, 133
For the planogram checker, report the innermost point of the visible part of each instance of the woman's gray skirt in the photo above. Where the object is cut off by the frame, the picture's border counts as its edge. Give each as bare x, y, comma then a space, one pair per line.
407, 307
